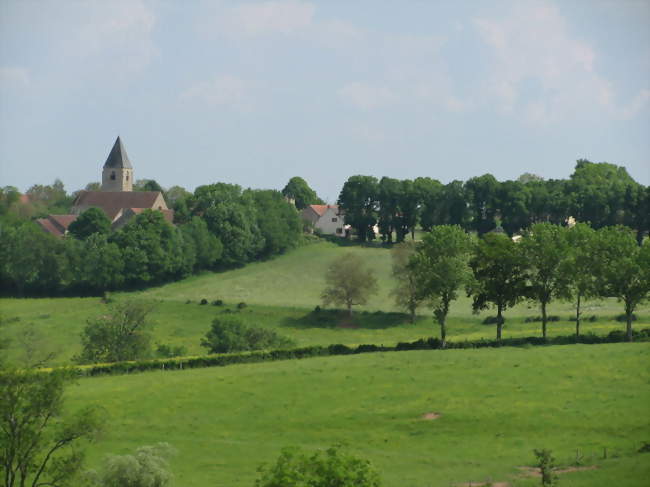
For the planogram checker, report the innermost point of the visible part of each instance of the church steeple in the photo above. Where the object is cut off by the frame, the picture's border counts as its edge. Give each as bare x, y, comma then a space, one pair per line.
117, 174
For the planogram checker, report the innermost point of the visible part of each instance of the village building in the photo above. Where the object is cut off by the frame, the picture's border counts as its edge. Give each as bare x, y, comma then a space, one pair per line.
325, 219
116, 198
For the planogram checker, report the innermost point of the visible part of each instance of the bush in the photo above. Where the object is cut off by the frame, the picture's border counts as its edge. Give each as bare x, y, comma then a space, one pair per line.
204, 301
492, 320
189, 301
241, 305
317, 309
534, 319
231, 335
217, 302
623, 319
167, 351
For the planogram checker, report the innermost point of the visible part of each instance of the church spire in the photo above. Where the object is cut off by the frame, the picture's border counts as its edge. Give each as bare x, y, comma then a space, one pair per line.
118, 159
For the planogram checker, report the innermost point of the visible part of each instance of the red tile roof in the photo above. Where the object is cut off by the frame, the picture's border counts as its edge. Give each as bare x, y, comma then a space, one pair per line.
321, 209
113, 201
57, 225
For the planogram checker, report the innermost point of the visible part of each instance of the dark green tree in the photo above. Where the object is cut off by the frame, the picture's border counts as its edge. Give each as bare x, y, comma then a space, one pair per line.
298, 190
430, 195
229, 334
408, 204
358, 200
93, 220
512, 201
206, 247
405, 291
388, 196
441, 264
279, 223
97, 264
545, 249
483, 194
499, 269
623, 269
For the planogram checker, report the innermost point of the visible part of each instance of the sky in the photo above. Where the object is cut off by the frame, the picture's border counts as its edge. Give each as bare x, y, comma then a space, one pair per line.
255, 92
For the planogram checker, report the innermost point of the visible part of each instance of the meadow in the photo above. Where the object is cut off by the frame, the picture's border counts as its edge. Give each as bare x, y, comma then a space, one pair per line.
494, 405
282, 293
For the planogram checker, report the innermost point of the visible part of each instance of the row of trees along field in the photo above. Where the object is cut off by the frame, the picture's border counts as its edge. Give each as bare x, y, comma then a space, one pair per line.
599, 193
223, 227
550, 262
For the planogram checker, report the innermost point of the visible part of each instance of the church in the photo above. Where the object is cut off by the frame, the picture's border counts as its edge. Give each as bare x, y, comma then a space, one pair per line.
116, 197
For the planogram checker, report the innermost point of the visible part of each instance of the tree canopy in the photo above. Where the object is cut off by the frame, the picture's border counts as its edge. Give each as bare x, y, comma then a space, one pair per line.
298, 190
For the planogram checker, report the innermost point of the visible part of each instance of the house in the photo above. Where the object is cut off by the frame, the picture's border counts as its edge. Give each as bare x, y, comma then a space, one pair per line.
116, 198
326, 219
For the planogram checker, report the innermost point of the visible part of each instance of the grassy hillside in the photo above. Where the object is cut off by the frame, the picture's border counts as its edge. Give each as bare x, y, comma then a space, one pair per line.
282, 294
495, 406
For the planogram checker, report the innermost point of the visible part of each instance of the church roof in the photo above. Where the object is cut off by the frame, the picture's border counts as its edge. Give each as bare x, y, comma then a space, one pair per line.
118, 159
113, 201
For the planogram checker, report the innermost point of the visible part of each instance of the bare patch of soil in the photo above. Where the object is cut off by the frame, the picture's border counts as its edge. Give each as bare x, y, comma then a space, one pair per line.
479, 484
431, 417
535, 472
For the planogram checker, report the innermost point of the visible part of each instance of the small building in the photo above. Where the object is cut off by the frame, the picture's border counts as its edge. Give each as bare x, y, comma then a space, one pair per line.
326, 219
116, 199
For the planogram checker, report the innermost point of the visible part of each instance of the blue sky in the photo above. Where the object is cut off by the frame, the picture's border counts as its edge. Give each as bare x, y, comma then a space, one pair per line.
255, 92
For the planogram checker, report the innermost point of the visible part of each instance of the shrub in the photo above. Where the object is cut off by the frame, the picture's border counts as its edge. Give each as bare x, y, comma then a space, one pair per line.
623, 319
189, 301
534, 319
546, 463
492, 320
241, 305
217, 302
167, 351
204, 301
231, 335
317, 309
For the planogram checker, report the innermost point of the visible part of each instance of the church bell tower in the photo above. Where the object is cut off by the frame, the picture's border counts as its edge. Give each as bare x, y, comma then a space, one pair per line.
117, 174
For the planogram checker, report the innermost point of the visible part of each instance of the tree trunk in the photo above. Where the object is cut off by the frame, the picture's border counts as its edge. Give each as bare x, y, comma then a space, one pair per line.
544, 319
578, 316
443, 333
499, 322
628, 316
349, 310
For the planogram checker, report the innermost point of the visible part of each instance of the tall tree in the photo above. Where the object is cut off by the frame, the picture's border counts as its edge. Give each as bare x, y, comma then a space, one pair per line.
93, 220
278, 222
512, 201
207, 248
358, 200
482, 193
499, 275
545, 249
388, 195
298, 190
405, 291
441, 263
349, 281
97, 264
580, 265
623, 269
430, 198
408, 203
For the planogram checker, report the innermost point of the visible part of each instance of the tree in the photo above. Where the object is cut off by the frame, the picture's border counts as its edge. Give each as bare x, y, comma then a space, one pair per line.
623, 269
358, 200
408, 202
430, 194
499, 275
388, 196
405, 291
97, 264
441, 263
278, 222
545, 249
512, 201
349, 282
482, 193
148, 467
332, 468
121, 334
298, 190
207, 248
93, 220
229, 334
580, 265
39, 446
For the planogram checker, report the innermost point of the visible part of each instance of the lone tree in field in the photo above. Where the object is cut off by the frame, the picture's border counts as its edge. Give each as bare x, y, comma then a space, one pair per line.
121, 334
349, 282
441, 264
500, 275
580, 266
39, 446
623, 269
405, 291
546, 249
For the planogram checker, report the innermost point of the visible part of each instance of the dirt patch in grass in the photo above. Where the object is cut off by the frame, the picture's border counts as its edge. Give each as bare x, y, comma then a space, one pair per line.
479, 484
535, 472
431, 416
347, 323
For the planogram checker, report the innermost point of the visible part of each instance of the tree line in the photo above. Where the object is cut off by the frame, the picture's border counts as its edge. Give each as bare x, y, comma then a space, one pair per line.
550, 262
218, 226
601, 194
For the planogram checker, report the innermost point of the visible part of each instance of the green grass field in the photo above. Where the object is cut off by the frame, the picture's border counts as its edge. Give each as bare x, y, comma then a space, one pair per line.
281, 293
496, 405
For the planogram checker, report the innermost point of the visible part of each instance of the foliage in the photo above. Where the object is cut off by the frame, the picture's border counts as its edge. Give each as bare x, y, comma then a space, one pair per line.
278, 222
500, 275
333, 467
441, 263
545, 249
206, 248
405, 291
121, 334
147, 467
229, 334
546, 464
623, 269
348, 282
358, 200
38, 444
97, 264
93, 220
482, 192
298, 190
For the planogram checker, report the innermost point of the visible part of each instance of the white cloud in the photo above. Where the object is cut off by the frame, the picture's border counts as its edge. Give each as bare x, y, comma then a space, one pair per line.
533, 44
223, 90
367, 96
270, 17
640, 101
13, 76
